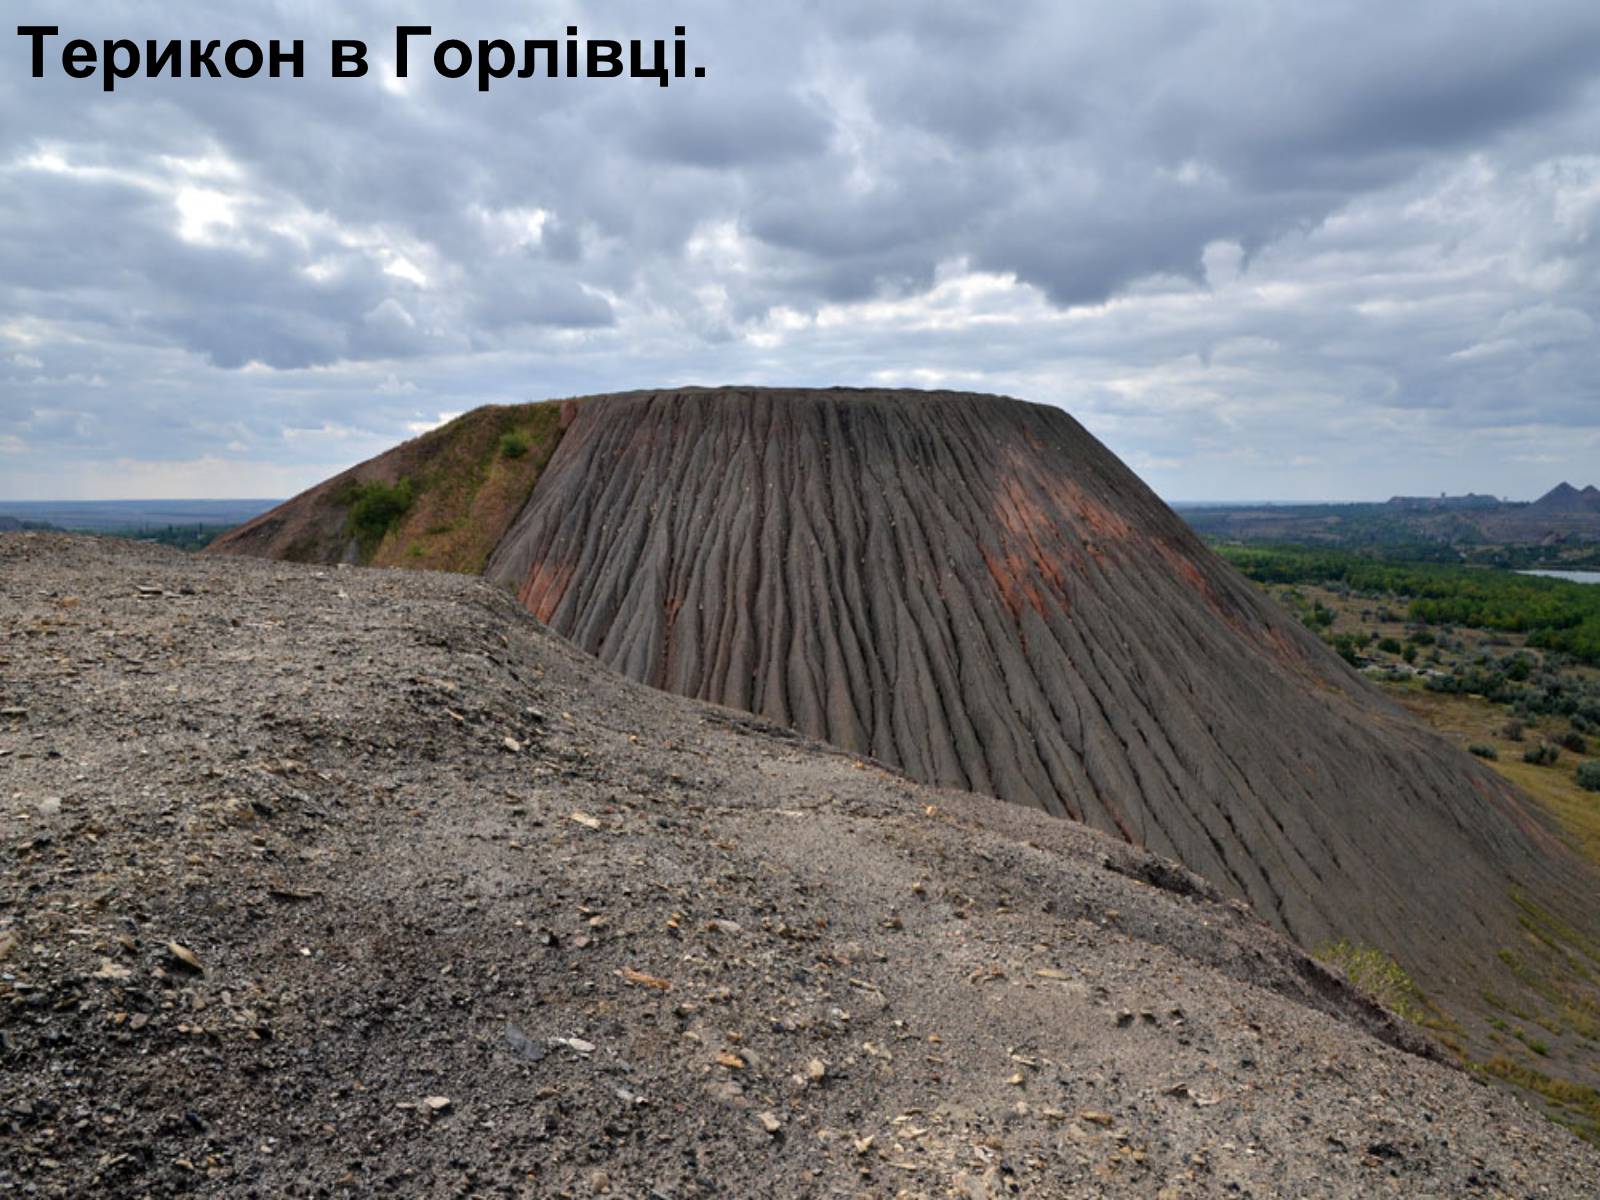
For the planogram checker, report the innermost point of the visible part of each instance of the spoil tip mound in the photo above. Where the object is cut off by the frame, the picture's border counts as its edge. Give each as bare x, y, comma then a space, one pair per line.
977, 591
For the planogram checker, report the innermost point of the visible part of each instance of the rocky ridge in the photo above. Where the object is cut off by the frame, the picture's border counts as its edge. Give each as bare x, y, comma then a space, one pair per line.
345, 882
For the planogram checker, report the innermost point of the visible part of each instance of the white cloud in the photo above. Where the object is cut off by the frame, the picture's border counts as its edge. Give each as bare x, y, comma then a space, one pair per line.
1214, 239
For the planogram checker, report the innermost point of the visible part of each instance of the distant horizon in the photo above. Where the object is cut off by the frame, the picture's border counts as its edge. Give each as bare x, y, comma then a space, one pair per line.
1181, 502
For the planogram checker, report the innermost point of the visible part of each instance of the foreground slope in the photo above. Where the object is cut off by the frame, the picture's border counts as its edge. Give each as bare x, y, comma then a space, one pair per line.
351, 882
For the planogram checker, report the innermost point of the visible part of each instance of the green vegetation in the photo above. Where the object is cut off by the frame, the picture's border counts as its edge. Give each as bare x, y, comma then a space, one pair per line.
1376, 972
183, 537
1555, 614
1515, 690
375, 508
469, 479
1574, 1105
1483, 533
1486, 688
1588, 776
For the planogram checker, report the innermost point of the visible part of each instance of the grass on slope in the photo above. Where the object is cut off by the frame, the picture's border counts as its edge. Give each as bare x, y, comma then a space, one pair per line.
1558, 1022
449, 513
1472, 720
1545, 1040
1376, 972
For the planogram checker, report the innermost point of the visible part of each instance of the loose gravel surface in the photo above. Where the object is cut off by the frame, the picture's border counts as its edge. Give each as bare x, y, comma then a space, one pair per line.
323, 882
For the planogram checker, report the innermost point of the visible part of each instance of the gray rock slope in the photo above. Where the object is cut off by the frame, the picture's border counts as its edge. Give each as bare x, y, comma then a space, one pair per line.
976, 591
328, 883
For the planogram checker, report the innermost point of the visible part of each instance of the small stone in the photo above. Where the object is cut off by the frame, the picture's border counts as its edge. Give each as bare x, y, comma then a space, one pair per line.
1124, 1019
111, 970
436, 1104
184, 957
49, 806
640, 979
730, 1060
584, 819
1051, 973
519, 1043
769, 1122
816, 1070
511, 744
599, 1182
1096, 1117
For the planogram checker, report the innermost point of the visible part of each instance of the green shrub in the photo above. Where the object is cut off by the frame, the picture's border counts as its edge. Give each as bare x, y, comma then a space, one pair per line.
1390, 645
1542, 755
1588, 776
376, 507
514, 445
1483, 750
1573, 740
1513, 729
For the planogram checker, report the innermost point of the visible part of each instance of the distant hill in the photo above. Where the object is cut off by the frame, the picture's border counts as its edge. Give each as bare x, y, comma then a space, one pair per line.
1472, 500
1566, 499
1561, 528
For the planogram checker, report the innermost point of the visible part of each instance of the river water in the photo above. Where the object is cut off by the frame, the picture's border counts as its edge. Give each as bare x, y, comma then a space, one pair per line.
1575, 576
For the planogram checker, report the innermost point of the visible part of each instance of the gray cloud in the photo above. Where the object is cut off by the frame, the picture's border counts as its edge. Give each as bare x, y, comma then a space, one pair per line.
1316, 251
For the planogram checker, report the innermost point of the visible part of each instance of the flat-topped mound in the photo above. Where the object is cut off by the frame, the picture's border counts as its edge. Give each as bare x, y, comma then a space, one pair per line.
976, 591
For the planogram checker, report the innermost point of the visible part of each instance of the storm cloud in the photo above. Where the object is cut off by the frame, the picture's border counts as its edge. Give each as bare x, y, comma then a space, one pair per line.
1332, 251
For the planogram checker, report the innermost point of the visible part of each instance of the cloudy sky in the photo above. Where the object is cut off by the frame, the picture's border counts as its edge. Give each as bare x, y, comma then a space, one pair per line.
1262, 250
